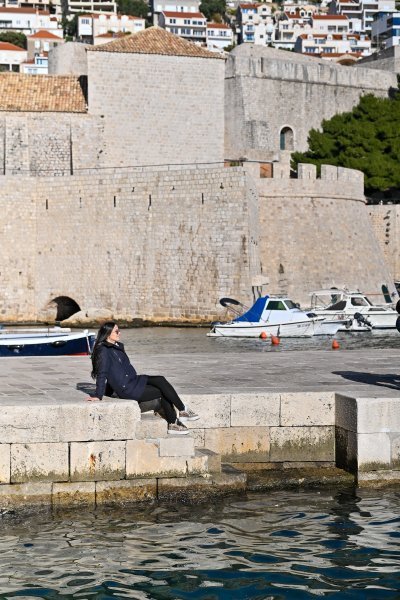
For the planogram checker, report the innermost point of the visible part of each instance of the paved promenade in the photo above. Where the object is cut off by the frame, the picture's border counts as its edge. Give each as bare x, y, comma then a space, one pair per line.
366, 373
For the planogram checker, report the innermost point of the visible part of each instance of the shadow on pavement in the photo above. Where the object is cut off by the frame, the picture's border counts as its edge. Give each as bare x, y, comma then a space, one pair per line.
388, 380
87, 388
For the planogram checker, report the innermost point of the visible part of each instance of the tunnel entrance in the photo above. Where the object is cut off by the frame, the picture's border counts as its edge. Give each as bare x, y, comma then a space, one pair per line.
66, 307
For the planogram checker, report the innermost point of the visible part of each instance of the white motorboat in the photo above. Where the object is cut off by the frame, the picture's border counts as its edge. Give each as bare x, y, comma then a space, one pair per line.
344, 304
270, 315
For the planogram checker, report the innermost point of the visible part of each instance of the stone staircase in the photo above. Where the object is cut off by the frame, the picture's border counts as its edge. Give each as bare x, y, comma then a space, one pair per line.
155, 453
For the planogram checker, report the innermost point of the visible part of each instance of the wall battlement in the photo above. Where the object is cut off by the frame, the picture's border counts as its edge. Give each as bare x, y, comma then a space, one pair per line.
333, 182
306, 70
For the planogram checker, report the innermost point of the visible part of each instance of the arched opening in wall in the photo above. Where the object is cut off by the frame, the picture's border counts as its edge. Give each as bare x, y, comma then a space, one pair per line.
66, 307
286, 139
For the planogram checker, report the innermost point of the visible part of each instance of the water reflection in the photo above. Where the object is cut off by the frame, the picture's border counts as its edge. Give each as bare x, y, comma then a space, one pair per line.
277, 545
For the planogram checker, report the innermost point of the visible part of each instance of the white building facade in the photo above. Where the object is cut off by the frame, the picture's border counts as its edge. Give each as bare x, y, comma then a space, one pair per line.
386, 30
361, 13
11, 57
92, 26
334, 46
182, 6
255, 24
219, 36
191, 26
28, 21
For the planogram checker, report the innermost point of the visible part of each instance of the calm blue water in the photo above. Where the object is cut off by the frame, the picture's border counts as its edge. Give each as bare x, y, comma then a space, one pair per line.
176, 340
305, 544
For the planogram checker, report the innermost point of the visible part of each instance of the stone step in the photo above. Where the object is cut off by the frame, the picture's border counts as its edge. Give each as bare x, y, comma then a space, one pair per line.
151, 427
179, 445
169, 457
213, 459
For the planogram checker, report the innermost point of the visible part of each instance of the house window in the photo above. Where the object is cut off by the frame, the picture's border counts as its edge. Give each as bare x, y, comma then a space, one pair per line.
286, 139
85, 21
172, 20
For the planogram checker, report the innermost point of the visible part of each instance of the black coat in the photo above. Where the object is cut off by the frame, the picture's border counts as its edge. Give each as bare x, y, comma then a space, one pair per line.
116, 372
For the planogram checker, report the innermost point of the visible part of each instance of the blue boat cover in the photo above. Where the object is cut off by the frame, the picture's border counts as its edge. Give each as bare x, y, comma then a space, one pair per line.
253, 315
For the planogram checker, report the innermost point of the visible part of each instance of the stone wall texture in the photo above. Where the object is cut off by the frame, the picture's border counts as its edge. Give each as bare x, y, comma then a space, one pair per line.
316, 233
147, 244
68, 59
42, 144
268, 89
163, 110
386, 226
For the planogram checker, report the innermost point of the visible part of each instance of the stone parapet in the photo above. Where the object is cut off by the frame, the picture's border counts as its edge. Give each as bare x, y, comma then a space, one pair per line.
368, 438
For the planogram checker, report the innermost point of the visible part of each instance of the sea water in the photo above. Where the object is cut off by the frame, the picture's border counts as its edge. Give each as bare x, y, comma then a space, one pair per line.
336, 544
177, 340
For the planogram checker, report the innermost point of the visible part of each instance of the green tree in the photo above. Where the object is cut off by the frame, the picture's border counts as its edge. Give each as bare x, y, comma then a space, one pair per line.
70, 25
14, 37
367, 139
136, 8
212, 8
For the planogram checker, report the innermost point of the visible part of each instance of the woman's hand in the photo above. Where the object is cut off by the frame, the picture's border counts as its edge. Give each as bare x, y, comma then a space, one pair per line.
93, 399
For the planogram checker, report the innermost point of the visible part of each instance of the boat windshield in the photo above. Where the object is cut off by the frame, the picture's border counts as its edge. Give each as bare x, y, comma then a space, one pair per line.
276, 305
357, 301
290, 304
341, 305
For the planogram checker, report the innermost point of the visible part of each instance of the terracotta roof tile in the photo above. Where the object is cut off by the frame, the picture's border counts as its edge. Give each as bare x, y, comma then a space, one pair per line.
155, 40
45, 35
183, 15
41, 93
11, 47
217, 26
330, 17
21, 11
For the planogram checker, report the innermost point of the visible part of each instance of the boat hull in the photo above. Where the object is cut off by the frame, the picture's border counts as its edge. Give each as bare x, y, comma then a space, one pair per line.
66, 345
292, 329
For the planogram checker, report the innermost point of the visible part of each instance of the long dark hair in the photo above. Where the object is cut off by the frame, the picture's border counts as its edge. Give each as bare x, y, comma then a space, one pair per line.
103, 333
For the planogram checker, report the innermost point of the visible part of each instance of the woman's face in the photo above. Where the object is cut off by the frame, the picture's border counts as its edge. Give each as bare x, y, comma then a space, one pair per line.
114, 335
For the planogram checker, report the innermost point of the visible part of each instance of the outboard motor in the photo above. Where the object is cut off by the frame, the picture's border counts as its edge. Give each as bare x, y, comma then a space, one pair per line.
361, 320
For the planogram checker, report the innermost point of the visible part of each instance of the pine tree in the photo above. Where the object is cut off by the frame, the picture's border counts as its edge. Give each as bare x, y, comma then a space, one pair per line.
367, 139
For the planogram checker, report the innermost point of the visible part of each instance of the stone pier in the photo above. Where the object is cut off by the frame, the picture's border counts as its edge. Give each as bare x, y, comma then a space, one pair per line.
261, 412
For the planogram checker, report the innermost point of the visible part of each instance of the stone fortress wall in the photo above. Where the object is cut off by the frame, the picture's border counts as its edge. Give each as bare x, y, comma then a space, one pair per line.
42, 144
166, 241
165, 245
267, 91
386, 226
163, 110
151, 244
316, 233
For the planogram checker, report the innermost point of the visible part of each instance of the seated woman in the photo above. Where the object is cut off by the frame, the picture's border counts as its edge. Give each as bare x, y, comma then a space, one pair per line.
113, 370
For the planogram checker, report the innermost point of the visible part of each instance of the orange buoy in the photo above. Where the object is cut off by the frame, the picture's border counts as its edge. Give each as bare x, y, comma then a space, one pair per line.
263, 335
335, 345
275, 340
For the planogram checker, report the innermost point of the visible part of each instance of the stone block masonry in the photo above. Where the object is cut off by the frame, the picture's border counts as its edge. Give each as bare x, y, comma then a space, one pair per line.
316, 233
300, 430
172, 110
160, 245
268, 90
385, 220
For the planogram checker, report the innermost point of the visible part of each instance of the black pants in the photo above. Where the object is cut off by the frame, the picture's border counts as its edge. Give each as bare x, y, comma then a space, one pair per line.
158, 387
